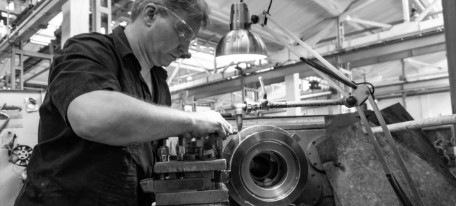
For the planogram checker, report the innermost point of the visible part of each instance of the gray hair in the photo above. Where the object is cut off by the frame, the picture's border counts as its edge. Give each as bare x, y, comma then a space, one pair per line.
194, 9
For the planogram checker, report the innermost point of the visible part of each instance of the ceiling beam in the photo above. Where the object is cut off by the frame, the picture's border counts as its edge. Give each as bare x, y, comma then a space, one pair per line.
227, 86
379, 53
45, 11
35, 75
331, 6
384, 52
36, 85
358, 5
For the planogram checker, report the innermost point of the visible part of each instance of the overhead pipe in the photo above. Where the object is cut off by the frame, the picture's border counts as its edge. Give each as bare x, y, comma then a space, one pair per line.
416, 124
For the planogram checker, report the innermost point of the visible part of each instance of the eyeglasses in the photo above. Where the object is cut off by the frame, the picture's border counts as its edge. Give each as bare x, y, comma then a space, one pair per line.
184, 31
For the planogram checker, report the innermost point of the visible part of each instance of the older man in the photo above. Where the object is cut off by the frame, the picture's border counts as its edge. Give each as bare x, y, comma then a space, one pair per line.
101, 112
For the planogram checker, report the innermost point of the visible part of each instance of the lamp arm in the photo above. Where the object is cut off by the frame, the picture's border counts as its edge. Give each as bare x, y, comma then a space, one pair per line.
299, 53
328, 72
328, 65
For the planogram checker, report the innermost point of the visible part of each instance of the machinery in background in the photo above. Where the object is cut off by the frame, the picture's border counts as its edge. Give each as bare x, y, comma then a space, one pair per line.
23, 123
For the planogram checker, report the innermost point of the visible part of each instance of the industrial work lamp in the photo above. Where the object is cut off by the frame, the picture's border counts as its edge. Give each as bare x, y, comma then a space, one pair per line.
240, 44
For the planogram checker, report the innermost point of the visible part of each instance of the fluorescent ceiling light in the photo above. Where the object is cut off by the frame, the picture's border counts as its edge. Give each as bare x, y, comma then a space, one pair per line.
10, 6
40, 40
11, 16
123, 23
57, 20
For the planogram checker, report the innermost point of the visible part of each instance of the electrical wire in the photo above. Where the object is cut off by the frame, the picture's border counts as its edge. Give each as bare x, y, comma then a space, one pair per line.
266, 18
327, 72
269, 7
371, 88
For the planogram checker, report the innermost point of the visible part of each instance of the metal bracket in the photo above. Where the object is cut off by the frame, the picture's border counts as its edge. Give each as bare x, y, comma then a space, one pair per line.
312, 153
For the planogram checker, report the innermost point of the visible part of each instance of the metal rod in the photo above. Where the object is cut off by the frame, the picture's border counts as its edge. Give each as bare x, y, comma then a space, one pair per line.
356, 7
309, 103
399, 191
367, 22
426, 11
308, 48
260, 79
340, 33
176, 70
295, 51
406, 10
372, 139
13, 70
398, 156
416, 124
381, 158
419, 4
403, 78
328, 72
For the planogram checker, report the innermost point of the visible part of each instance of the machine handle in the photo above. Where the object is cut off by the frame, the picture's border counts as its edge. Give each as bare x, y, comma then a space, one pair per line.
265, 95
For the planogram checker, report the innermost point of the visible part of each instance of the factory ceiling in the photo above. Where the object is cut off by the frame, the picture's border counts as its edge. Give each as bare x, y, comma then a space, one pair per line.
316, 22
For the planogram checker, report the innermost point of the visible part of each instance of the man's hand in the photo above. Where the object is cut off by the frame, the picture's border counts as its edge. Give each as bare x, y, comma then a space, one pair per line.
210, 122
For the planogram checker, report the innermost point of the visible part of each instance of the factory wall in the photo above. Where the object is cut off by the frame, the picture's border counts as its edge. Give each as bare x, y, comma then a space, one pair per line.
423, 106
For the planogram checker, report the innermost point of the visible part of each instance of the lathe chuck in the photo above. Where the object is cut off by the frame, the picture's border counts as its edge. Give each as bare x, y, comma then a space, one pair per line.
267, 165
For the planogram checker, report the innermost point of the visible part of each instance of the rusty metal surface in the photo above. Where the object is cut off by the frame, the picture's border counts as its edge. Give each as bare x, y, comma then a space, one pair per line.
358, 178
414, 140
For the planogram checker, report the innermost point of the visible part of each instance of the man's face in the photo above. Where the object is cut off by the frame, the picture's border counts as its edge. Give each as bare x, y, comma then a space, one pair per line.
171, 34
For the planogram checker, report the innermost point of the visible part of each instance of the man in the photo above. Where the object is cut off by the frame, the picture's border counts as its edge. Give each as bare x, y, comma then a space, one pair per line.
101, 111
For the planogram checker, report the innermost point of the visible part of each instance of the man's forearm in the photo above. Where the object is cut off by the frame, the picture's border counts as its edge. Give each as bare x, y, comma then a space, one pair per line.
117, 119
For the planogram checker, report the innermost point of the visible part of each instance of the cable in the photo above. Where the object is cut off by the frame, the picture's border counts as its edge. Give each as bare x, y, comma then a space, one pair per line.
327, 72
266, 18
269, 7
371, 88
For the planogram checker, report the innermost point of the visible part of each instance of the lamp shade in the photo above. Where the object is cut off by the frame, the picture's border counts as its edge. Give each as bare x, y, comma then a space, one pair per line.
240, 44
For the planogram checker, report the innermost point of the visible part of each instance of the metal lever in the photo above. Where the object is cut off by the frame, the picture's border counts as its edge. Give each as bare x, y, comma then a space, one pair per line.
265, 95
239, 113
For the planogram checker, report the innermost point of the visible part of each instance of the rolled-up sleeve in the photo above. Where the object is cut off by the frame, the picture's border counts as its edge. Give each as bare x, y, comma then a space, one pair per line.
84, 65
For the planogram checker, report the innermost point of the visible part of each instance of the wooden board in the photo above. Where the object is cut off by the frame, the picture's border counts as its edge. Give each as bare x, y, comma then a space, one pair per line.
189, 166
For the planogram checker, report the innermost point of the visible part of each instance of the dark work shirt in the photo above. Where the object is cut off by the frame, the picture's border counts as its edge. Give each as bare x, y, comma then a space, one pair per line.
66, 169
